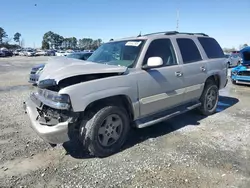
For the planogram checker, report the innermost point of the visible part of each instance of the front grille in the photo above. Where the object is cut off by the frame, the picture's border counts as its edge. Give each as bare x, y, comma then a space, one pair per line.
34, 80
244, 73
33, 72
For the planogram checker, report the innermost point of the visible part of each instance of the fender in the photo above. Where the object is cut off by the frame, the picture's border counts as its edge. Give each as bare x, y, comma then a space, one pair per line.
84, 93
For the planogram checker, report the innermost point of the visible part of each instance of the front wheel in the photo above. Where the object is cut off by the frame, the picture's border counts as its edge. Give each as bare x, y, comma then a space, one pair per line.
106, 131
209, 99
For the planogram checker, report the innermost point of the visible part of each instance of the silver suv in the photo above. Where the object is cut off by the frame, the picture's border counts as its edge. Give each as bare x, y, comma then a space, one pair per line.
132, 82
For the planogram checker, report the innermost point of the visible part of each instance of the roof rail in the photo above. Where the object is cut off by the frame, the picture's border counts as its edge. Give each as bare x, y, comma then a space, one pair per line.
195, 34
174, 33
171, 33
162, 32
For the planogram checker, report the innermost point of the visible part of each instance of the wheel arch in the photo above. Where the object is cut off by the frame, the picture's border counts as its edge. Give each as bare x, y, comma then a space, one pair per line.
215, 78
117, 100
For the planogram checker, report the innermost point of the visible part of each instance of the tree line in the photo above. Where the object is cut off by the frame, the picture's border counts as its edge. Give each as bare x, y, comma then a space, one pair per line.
5, 40
56, 41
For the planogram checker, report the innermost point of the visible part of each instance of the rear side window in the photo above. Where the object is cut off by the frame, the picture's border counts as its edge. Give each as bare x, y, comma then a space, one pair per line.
211, 47
189, 50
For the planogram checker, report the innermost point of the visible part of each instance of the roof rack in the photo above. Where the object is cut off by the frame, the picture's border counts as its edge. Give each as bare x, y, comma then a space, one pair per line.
203, 34
174, 33
162, 32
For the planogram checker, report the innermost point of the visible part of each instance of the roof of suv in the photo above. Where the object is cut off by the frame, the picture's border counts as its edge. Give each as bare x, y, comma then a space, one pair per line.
160, 34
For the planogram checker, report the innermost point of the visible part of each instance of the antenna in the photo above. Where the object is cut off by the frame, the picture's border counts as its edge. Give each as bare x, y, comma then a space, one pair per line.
139, 34
177, 20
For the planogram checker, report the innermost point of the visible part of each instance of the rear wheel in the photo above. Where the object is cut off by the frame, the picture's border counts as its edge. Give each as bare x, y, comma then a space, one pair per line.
209, 98
106, 131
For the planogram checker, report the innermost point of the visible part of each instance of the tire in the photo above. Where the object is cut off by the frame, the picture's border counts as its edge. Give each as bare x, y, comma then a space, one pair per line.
205, 108
93, 133
233, 82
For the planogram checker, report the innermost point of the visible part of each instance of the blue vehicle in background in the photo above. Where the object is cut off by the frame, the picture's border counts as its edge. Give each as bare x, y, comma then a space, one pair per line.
241, 73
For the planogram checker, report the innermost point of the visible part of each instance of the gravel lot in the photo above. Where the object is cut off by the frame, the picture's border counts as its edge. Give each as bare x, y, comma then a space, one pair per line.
186, 151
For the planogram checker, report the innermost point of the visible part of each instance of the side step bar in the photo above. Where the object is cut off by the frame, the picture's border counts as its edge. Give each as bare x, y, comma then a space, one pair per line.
169, 114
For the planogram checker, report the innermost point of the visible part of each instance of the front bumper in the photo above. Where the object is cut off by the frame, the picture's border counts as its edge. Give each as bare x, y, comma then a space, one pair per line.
55, 134
241, 79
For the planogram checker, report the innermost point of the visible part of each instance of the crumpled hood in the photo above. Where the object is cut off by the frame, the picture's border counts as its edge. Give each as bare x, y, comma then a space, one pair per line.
59, 68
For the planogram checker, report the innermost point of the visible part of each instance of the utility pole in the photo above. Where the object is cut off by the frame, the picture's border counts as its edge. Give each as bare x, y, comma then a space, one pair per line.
177, 20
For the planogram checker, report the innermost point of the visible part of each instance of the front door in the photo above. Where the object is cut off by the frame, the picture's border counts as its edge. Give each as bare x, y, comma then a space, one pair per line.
160, 88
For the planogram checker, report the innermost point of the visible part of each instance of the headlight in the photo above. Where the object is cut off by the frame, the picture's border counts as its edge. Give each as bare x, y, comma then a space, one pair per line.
234, 73
53, 99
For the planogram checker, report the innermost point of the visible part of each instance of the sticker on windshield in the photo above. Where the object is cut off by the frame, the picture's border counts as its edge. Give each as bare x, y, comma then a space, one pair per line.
133, 43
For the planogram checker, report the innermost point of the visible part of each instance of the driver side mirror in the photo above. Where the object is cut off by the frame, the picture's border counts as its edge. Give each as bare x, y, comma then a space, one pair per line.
153, 62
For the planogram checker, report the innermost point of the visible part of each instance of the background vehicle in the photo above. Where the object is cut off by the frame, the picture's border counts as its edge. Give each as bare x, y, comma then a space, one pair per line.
67, 52
6, 53
16, 52
241, 73
22, 53
29, 53
133, 82
234, 59
2, 54
40, 53
37, 70
60, 53
80, 55
50, 52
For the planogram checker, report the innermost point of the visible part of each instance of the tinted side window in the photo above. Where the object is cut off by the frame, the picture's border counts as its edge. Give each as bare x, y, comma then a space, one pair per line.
161, 48
189, 50
211, 47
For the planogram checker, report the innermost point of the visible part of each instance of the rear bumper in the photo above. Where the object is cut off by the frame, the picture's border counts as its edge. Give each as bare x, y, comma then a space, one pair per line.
55, 134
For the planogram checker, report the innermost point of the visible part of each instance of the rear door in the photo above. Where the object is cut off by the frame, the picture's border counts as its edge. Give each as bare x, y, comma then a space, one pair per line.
194, 68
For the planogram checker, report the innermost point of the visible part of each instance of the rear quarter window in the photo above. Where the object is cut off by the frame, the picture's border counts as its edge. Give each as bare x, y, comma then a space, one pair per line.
211, 47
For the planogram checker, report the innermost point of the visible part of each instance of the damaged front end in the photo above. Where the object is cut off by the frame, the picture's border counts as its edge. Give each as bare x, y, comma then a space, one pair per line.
51, 115
52, 112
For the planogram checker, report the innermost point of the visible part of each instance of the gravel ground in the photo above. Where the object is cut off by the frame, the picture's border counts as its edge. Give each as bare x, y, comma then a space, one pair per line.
186, 151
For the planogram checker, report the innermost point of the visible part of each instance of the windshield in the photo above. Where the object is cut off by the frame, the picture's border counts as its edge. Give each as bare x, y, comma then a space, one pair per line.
121, 53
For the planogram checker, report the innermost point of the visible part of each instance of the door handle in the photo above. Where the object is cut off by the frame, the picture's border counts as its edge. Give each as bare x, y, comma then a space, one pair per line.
203, 69
178, 74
